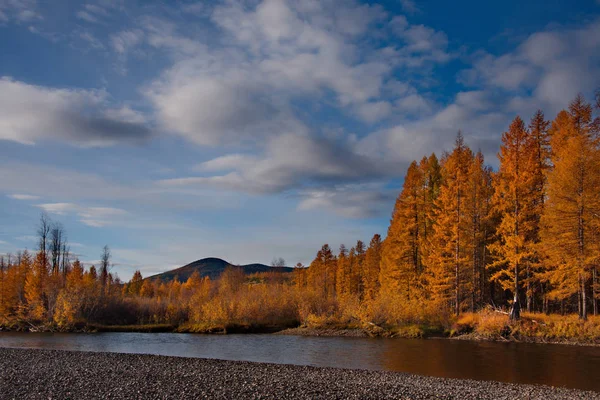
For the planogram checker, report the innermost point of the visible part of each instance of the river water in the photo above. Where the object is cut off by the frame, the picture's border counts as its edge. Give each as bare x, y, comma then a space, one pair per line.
555, 365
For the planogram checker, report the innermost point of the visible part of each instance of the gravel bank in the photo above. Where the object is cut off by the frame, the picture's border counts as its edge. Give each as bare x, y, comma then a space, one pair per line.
50, 374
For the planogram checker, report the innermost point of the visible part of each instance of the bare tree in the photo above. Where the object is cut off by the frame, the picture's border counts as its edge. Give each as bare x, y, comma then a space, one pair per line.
57, 233
43, 231
65, 265
278, 262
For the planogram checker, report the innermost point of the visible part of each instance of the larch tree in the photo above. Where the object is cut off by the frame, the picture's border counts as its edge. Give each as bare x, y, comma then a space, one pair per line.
448, 255
571, 219
540, 137
104, 267
477, 209
342, 274
401, 255
35, 287
514, 200
357, 270
371, 268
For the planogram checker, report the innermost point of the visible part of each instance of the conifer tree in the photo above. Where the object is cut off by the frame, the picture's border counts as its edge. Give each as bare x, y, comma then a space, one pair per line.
371, 270
401, 255
570, 222
35, 287
539, 135
342, 273
448, 255
514, 200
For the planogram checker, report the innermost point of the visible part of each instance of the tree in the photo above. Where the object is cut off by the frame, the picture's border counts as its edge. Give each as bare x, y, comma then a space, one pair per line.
321, 274
570, 227
371, 268
342, 280
478, 211
540, 137
278, 262
135, 284
402, 252
43, 232
514, 200
104, 266
448, 255
56, 246
35, 287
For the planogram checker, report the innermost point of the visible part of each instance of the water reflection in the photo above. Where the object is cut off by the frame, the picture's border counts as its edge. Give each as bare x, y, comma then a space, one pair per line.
555, 365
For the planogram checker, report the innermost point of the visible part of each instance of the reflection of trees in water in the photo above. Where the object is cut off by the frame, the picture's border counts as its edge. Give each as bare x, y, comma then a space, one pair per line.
553, 365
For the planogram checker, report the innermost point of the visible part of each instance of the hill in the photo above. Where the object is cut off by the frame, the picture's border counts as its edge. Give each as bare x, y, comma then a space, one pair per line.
212, 267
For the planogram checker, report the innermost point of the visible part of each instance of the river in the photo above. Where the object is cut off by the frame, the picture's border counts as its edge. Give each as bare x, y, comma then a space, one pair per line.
555, 365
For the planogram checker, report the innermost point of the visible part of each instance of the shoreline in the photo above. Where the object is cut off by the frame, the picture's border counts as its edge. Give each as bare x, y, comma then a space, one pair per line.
296, 331
36, 374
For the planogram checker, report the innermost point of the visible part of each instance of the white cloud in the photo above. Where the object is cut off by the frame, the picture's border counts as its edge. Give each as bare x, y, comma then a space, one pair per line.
27, 238
86, 16
121, 42
273, 53
409, 6
553, 66
97, 12
93, 42
289, 161
82, 117
91, 216
20, 11
350, 201
23, 197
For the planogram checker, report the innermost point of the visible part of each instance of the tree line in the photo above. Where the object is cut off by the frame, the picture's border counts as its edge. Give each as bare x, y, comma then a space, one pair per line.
462, 237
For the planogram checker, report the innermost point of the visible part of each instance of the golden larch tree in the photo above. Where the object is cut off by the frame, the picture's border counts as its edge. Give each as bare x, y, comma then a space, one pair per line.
449, 246
570, 222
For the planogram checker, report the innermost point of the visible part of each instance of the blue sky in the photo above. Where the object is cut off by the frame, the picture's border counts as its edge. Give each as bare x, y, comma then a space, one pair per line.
249, 130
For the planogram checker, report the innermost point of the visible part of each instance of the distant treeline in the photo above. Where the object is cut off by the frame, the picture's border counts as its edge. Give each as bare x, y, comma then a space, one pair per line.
462, 237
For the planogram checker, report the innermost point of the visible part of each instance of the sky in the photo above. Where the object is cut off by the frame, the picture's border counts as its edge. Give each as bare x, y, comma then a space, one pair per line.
248, 130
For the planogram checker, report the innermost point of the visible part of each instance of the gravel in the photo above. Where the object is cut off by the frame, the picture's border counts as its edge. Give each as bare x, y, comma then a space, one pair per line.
52, 374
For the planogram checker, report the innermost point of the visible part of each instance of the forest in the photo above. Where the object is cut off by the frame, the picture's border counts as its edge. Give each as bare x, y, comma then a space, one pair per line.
469, 250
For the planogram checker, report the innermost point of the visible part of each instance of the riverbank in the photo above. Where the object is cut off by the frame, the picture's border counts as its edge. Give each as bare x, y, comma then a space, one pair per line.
485, 325
37, 374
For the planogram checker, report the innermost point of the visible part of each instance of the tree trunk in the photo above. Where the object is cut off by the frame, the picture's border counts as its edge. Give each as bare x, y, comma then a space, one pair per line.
528, 294
456, 259
515, 312
594, 294
583, 299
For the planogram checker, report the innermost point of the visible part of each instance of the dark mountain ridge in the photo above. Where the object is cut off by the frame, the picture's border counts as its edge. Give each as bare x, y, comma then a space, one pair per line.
213, 268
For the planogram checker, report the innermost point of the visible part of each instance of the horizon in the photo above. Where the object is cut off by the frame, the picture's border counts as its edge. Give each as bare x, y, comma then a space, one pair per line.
252, 130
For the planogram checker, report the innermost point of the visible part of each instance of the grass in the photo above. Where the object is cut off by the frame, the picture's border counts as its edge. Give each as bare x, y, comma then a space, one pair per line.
532, 327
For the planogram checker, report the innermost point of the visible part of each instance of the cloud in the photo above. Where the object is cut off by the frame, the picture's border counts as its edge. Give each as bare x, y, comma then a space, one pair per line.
91, 216
350, 201
20, 11
23, 197
52, 182
546, 70
475, 113
121, 42
289, 162
86, 16
91, 40
276, 53
27, 238
96, 12
76, 116
409, 6
212, 110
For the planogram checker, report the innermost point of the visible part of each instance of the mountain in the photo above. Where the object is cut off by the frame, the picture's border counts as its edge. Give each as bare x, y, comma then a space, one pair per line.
212, 267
